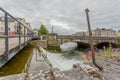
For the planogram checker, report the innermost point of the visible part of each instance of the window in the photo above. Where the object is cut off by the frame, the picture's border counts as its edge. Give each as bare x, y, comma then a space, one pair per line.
2, 23
9, 29
1, 28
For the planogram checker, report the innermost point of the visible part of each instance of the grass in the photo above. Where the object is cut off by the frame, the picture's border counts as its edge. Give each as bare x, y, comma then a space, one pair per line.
17, 63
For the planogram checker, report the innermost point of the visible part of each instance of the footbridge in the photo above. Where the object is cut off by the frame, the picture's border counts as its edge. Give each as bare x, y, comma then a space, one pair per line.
14, 35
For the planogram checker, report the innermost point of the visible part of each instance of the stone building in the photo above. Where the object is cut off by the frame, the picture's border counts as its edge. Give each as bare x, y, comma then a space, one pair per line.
104, 32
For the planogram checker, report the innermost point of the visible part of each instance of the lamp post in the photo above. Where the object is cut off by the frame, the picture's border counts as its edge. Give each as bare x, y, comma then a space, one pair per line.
91, 41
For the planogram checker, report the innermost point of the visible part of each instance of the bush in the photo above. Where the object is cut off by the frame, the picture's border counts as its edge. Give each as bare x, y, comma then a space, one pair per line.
107, 53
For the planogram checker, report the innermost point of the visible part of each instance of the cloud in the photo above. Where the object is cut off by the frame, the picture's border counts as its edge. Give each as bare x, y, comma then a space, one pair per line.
67, 16
59, 24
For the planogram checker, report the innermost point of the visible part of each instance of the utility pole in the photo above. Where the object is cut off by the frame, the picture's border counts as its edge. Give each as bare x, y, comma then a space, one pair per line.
91, 40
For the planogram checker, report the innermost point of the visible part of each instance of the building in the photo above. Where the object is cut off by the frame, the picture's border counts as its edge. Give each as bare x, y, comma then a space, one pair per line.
29, 26
2, 27
79, 34
13, 26
52, 43
22, 20
104, 32
35, 32
118, 33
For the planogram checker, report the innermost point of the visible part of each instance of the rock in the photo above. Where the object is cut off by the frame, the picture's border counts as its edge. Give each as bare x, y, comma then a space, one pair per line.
67, 47
75, 66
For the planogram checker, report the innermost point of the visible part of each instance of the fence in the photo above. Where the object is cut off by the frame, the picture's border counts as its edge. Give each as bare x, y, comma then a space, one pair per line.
14, 35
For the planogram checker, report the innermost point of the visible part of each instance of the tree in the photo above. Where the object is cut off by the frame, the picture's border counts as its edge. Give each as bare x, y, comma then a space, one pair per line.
42, 30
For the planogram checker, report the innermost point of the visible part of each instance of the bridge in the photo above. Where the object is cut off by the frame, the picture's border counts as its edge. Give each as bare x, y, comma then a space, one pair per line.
54, 40
12, 38
85, 39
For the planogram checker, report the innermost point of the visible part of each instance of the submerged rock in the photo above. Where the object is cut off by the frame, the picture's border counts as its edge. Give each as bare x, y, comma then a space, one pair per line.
67, 47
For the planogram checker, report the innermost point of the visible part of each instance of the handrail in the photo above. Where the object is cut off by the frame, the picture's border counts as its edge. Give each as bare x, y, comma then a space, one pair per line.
12, 45
8, 37
45, 57
3, 36
14, 18
48, 62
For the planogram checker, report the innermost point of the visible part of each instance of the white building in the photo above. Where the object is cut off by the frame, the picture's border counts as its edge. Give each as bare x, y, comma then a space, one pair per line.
35, 32
13, 25
2, 27
104, 32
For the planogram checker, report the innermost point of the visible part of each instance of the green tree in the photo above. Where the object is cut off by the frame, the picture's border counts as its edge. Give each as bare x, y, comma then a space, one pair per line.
42, 30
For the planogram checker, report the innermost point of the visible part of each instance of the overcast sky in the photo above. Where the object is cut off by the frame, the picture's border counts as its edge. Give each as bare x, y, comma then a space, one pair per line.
66, 16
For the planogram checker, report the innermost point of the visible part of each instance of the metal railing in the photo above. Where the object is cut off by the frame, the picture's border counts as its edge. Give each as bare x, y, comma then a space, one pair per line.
14, 35
47, 61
